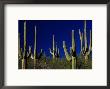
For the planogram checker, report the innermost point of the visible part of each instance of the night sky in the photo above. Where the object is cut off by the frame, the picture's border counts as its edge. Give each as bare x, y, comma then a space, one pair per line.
62, 30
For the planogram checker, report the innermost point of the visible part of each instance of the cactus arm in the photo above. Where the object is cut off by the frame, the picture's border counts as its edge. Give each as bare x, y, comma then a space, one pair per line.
90, 44
66, 52
50, 51
81, 38
85, 38
73, 41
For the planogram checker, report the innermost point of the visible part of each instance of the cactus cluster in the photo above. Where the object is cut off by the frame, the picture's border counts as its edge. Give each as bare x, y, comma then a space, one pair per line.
85, 49
28, 58
24, 56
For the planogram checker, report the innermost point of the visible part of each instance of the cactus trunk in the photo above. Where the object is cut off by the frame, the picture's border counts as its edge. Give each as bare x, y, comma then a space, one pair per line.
73, 50
53, 47
53, 50
35, 49
72, 55
24, 60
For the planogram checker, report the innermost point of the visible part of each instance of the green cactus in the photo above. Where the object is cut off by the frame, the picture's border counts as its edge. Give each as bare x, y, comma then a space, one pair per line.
81, 39
53, 50
85, 49
35, 49
24, 60
72, 55
73, 52
68, 57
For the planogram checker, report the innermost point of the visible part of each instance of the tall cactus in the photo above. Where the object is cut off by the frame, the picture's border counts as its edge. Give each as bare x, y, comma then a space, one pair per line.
85, 49
53, 50
73, 52
72, 55
24, 60
35, 49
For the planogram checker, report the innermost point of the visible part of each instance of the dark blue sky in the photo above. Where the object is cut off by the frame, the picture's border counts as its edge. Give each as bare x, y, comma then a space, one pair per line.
62, 29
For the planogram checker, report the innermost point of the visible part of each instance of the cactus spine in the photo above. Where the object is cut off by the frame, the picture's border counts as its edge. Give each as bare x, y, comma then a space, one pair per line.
35, 49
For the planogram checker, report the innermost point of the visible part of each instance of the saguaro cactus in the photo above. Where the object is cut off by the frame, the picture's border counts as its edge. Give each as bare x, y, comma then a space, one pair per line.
53, 50
57, 53
35, 49
72, 55
24, 60
85, 49
73, 52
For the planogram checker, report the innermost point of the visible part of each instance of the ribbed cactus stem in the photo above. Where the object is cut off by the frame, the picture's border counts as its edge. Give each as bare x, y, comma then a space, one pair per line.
24, 60
68, 57
25, 38
73, 50
35, 49
53, 47
90, 45
73, 41
81, 39
53, 50
85, 38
